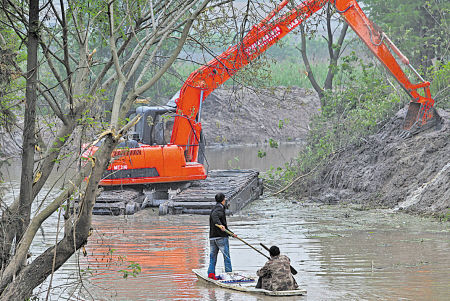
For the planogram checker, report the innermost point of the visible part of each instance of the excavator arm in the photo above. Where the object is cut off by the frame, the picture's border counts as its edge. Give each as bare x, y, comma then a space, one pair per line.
187, 126
421, 107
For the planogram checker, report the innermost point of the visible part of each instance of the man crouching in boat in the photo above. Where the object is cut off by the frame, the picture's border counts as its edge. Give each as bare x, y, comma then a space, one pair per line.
218, 238
276, 275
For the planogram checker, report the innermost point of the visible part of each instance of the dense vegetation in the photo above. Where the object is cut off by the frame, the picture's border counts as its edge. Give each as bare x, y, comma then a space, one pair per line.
365, 96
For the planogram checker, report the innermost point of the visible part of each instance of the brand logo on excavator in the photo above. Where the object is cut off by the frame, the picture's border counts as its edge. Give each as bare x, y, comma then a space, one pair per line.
119, 167
294, 23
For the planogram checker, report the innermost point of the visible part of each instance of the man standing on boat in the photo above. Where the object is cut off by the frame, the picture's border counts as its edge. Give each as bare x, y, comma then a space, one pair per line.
276, 274
218, 238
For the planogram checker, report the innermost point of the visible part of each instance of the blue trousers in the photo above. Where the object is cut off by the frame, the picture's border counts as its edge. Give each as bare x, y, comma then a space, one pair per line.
216, 245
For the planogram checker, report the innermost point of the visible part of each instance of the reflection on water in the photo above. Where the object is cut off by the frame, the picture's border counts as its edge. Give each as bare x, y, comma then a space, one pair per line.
341, 254
164, 248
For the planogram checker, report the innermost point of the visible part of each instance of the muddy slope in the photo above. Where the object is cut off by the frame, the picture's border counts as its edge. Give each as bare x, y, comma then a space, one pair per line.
235, 117
410, 174
253, 116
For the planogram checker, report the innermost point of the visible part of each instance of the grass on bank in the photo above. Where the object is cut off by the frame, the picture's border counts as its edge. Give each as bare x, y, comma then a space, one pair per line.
362, 101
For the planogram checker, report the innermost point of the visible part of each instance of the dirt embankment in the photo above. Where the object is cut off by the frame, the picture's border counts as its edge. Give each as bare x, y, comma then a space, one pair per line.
385, 170
249, 116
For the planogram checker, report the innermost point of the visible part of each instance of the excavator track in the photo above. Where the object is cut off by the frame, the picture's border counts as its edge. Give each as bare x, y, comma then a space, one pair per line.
240, 187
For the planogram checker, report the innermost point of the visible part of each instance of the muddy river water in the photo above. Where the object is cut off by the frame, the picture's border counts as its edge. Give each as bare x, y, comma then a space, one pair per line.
340, 253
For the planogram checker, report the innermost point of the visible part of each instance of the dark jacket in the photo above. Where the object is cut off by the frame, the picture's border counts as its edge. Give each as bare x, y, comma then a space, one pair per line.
276, 274
217, 216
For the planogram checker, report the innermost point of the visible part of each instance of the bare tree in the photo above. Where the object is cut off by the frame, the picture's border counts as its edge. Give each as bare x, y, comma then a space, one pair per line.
70, 35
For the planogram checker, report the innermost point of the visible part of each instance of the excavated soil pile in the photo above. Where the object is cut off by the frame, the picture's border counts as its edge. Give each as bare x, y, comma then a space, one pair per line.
385, 170
246, 116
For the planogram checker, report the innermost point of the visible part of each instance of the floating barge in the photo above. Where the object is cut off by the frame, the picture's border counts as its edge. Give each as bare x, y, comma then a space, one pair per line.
198, 197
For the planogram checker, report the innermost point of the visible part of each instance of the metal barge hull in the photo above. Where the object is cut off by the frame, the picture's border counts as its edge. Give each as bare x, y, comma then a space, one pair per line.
240, 187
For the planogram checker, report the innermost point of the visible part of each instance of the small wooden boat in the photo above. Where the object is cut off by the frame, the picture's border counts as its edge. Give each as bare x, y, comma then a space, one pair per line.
240, 282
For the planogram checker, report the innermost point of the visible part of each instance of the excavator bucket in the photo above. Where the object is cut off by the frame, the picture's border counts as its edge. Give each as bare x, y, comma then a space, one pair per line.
419, 118
412, 116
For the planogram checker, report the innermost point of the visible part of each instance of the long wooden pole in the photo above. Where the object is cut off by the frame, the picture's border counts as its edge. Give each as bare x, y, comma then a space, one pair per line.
234, 235
293, 271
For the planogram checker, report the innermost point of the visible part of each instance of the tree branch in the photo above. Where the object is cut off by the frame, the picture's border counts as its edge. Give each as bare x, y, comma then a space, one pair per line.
54, 105
334, 59
121, 77
46, 51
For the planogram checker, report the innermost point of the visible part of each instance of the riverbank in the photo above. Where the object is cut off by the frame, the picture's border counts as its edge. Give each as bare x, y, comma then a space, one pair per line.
383, 170
387, 171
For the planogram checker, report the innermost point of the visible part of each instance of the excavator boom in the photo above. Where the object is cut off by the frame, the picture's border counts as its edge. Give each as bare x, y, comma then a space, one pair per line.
153, 161
207, 78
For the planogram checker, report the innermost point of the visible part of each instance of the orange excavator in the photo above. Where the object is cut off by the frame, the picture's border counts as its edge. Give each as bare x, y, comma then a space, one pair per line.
150, 158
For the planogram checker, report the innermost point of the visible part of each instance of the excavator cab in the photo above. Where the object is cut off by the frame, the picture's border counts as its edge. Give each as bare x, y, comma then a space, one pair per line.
155, 126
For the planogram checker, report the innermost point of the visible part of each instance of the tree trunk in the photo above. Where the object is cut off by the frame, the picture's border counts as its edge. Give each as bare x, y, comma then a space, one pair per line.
17, 217
309, 72
26, 181
334, 53
21, 288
